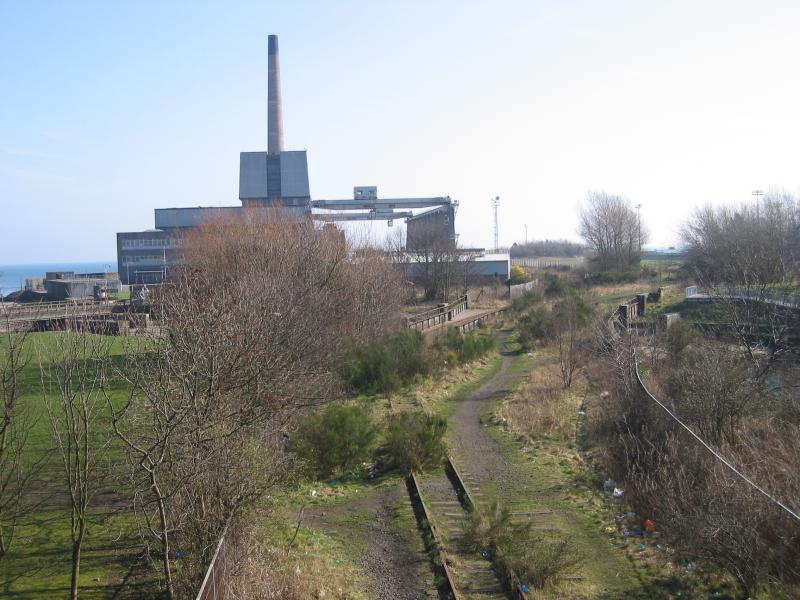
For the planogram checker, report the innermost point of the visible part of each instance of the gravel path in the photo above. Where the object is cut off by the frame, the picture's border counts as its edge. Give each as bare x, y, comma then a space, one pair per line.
395, 559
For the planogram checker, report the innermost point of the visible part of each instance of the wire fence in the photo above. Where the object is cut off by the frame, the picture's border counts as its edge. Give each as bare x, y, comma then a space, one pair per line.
727, 463
213, 586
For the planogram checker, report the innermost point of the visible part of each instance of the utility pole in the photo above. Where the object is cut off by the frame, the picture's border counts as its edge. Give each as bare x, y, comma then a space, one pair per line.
495, 204
639, 225
758, 194
526, 234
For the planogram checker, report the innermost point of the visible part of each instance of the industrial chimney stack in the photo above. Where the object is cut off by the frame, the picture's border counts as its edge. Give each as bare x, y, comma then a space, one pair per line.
275, 107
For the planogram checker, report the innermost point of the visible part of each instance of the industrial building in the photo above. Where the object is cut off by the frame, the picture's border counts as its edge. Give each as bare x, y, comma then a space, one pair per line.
275, 184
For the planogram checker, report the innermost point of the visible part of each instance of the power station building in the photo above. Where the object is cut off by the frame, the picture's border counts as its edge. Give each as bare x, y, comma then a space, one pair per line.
275, 184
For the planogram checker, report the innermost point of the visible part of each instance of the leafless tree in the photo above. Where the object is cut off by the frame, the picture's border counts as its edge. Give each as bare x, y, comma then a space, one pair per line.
571, 315
747, 258
611, 227
434, 260
18, 465
250, 328
74, 376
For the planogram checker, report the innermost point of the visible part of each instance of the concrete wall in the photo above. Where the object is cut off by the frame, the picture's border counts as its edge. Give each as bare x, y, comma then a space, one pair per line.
289, 182
434, 228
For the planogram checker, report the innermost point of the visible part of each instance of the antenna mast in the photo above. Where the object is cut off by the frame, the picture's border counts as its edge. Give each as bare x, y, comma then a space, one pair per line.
495, 204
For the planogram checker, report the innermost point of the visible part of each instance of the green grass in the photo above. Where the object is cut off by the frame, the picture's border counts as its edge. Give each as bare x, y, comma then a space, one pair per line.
38, 564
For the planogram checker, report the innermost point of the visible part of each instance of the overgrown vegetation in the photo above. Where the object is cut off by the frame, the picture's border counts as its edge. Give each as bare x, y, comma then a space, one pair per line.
384, 366
537, 561
335, 440
673, 480
414, 441
539, 248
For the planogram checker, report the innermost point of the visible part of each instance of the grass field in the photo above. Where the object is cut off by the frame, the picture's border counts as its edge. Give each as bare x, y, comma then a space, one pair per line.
38, 564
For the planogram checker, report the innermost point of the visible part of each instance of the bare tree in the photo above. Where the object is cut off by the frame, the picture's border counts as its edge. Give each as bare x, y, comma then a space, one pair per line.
74, 377
612, 229
18, 465
571, 315
746, 257
251, 326
434, 260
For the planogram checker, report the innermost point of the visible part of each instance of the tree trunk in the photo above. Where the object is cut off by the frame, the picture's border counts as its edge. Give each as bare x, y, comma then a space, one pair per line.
162, 516
76, 566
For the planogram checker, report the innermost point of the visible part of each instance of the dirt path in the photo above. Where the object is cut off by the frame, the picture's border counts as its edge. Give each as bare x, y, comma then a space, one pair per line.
495, 472
380, 526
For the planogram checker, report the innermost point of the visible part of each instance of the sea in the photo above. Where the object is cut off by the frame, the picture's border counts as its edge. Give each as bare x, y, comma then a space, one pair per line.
12, 277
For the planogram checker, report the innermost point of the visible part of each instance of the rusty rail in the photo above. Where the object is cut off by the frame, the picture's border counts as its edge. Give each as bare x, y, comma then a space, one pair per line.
449, 583
513, 581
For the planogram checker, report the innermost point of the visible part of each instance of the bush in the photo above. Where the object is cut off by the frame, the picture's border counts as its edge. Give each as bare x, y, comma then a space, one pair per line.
535, 325
384, 366
336, 440
518, 275
553, 284
415, 441
535, 560
467, 347
525, 301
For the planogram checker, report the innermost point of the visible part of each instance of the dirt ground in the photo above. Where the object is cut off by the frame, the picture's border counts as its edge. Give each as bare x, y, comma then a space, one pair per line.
380, 524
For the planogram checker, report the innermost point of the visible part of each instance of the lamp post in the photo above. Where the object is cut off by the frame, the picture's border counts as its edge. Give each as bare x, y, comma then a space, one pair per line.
495, 203
758, 194
639, 226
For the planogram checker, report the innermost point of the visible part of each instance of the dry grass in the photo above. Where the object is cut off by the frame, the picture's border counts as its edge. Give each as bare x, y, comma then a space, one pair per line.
309, 570
541, 405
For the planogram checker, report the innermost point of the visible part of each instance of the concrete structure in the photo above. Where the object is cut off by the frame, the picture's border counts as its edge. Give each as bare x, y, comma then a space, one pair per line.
63, 285
275, 185
147, 256
433, 227
492, 265
274, 102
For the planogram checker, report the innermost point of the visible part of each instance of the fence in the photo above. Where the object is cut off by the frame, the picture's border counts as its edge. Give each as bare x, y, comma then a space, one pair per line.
547, 262
437, 316
51, 310
515, 291
213, 586
708, 447
769, 296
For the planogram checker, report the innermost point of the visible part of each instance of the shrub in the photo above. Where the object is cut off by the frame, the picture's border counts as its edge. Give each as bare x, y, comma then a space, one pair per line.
415, 441
535, 560
553, 284
467, 347
384, 366
335, 440
408, 354
518, 275
525, 301
535, 325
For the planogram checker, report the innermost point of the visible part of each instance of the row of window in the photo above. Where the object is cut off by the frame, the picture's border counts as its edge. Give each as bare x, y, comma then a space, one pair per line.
152, 243
148, 259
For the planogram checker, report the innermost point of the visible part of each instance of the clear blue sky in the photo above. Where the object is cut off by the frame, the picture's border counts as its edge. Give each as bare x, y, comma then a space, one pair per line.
110, 109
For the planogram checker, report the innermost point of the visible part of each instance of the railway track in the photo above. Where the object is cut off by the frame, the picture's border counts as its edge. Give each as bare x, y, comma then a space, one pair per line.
472, 575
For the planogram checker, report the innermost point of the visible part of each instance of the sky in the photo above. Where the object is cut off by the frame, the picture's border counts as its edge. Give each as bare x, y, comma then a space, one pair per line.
111, 109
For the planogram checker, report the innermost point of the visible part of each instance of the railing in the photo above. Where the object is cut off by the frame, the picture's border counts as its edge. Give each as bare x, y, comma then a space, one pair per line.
776, 297
51, 310
437, 316
467, 326
213, 586
545, 263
